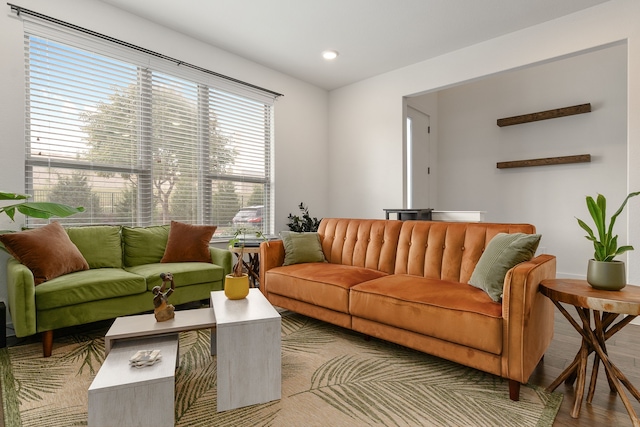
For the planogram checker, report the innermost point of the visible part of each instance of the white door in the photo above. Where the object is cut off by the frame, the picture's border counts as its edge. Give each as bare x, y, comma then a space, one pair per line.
418, 170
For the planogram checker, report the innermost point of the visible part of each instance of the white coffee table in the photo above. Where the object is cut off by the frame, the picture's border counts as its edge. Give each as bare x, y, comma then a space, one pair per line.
122, 395
247, 342
143, 325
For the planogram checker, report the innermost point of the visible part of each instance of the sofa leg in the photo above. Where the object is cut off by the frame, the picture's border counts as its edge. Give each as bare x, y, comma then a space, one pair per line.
47, 343
514, 390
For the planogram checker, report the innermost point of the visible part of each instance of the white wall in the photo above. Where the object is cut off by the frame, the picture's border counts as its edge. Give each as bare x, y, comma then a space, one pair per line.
366, 132
470, 143
301, 116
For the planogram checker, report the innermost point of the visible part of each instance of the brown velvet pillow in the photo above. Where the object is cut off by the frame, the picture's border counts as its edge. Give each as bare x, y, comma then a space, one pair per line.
188, 243
48, 251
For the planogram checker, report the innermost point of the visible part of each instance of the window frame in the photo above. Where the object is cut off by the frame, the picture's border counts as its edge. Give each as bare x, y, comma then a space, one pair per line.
146, 66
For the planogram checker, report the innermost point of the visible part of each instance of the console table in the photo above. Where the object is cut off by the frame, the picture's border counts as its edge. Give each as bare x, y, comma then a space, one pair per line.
604, 307
407, 214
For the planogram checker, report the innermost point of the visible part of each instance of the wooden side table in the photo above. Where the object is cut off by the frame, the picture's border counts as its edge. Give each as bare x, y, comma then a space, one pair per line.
253, 266
604, 307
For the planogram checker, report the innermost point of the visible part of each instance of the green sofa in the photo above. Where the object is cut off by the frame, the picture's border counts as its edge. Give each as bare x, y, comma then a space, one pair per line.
124, 266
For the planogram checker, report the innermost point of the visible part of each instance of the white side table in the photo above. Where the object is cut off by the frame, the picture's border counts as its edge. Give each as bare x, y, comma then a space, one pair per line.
247, 343
121, 395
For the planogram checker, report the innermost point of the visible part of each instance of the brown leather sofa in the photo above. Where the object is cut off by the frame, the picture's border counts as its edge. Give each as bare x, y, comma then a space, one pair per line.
406, 282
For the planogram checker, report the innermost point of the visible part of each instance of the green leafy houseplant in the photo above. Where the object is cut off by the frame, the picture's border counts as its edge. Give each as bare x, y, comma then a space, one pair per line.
304, 222
42, 210
238, 240
605, 243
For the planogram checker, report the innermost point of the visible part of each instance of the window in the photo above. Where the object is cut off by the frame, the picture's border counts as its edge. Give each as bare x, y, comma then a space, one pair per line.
139, 141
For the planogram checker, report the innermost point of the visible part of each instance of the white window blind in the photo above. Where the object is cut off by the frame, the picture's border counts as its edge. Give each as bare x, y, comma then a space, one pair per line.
140, 142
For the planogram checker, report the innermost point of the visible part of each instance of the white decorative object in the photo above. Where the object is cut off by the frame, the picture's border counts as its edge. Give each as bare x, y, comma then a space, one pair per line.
464, 216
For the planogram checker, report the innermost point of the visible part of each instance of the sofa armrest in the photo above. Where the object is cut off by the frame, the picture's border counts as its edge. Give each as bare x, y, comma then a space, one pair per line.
528, 317
271, 256
223, 258
21, 290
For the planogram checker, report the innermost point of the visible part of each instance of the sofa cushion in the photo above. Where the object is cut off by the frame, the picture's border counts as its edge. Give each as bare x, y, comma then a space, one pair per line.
502, 253
144, 245
184, 273
301, 247
84, 286
100, 245
47, 252
449, 311
322, 284
188, 243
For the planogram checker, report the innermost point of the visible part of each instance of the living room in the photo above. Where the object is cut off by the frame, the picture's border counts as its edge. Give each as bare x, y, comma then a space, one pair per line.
353, 136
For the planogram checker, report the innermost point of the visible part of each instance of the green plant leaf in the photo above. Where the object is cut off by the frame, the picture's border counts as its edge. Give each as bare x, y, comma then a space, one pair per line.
13, 196
46, 210
586, 228
623, 249
620, 209
597, 214
606, 243
10, 211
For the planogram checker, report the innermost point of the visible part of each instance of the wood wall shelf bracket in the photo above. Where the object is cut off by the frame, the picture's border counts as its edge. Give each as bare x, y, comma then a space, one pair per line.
580, 158
545, 115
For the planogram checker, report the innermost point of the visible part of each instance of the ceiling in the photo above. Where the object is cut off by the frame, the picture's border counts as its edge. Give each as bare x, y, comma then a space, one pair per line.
372, 36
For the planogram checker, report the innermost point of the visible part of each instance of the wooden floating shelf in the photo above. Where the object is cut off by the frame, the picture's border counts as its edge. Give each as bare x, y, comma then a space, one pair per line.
580, 158
545, 115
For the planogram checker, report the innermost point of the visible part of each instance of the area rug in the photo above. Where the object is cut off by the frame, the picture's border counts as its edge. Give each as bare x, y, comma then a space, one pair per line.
330, 377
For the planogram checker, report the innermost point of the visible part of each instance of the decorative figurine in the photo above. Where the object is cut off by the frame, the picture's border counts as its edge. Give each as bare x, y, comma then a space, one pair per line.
163, 310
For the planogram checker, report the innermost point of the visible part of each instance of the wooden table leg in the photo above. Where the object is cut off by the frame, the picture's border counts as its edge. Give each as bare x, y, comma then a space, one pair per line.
593, 340
612, 371
252, 268
569, 374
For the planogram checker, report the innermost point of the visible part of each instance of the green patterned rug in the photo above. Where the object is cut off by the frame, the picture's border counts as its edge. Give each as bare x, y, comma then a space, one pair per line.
330, 377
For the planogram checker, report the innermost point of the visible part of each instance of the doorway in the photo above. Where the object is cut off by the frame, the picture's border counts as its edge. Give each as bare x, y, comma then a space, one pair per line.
417, 161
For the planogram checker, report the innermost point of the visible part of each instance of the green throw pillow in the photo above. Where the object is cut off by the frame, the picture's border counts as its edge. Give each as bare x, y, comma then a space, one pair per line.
502, 253
301, 247
144, 245
100, 245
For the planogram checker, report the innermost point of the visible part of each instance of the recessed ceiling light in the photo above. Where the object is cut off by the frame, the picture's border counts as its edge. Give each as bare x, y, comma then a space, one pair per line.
329, 54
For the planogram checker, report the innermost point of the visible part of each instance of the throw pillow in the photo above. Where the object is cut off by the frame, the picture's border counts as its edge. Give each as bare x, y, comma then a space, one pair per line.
144, 245
502, 253
100, 245
47, 252
188, 243
301, 247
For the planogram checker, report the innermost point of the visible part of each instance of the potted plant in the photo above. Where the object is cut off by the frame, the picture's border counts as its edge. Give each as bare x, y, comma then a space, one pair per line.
603, 271
236, 284
303, 223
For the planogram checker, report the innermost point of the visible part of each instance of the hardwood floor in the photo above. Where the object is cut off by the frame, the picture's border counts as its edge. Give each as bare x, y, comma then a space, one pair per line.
607, 408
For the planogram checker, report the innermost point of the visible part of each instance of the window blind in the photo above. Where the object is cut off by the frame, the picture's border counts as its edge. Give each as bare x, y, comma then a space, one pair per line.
140, 142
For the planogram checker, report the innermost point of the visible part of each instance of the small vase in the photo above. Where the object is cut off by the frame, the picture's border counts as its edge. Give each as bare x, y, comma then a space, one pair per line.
236, 287
606, 275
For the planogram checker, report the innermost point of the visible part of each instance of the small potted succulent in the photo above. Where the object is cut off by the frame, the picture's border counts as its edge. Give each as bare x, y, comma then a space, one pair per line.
603, 271
236, 284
